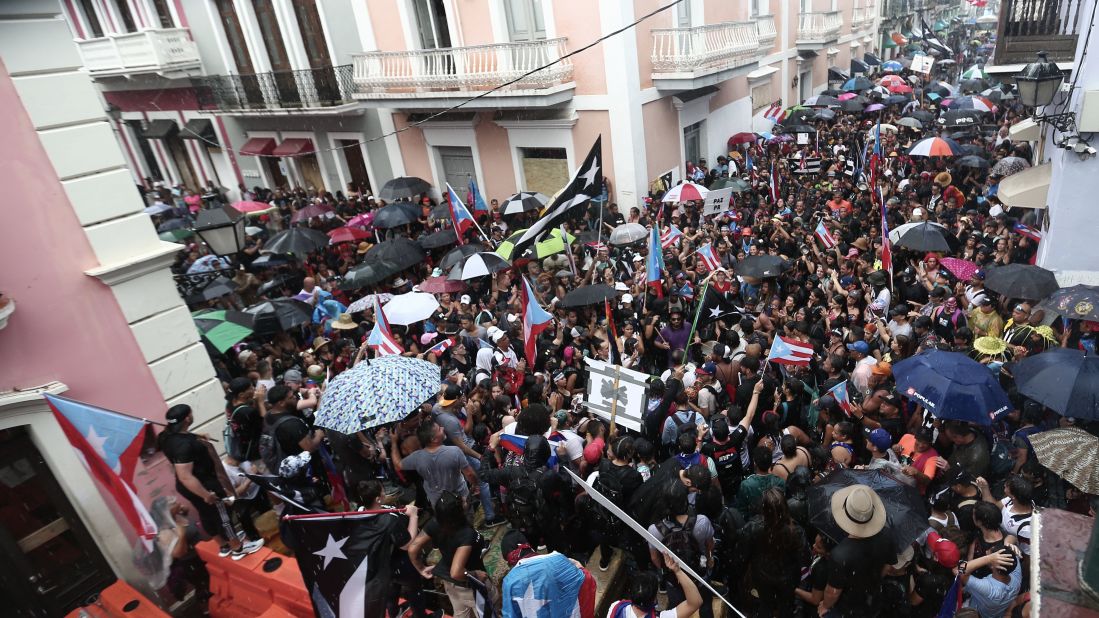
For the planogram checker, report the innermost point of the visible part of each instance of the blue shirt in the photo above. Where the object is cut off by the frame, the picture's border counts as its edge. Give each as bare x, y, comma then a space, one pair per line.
991, 597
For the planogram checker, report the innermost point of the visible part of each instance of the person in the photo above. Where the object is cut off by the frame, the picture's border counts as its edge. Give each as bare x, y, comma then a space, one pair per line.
616, 479
750, 494
441, 467
397, 529
545, 575
286, 430
856, 564
690, 536
460, 550
446, 415
528, 485
244, 413
923, 457
643, 589
178, 535
776, 550
993, 594
196, 468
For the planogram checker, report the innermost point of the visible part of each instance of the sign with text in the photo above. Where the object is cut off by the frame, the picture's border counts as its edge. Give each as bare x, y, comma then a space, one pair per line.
717, 201
922, 64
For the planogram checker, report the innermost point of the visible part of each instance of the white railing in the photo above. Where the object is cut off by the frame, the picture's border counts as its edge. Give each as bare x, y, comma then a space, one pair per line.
149, 51
765, 29
725, 45
858, 17
480, 67
819, 27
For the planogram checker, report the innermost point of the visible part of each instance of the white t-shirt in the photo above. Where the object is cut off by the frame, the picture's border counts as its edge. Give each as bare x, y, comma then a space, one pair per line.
234, 473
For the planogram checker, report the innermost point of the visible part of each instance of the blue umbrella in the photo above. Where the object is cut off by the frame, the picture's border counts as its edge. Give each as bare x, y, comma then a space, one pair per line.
857, 83
952, 386
375, 392
892, 66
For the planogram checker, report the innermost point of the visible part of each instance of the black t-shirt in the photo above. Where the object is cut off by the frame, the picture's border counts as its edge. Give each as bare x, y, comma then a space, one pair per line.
247, 424
449, 544
187, 448
855, 566
629, 478
726, 458
290, 433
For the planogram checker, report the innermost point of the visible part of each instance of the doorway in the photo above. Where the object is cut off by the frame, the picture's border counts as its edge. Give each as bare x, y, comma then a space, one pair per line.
273, 166
805, 84
178, 151
692, 142
246, 87
51, 564
526, 21
325, 87
434, 33
310, 170
356, 165
457, 163
284, 87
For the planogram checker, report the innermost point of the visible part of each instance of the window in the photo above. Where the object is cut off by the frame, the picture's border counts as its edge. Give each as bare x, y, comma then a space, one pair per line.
526, 22
754, 7
88, 9
545, 170
127, 18
805, 83
692, 142
761, 96
683, 14
163, 14
431, 24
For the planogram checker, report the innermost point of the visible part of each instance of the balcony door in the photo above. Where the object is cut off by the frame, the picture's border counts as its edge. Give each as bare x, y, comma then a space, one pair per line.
322, 82
683, 14
244, 87
457, 164
434, 33
280, 84
526, 21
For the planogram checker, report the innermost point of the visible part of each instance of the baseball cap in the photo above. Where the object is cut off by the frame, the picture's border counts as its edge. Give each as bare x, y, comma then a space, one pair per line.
945, 551
978, 275
465, 299
292, 375
881, 439
859, 346
239, 385
708, 368
450, 395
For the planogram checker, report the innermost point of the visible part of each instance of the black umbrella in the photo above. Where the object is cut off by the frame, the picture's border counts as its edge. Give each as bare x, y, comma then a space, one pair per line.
922, 115
443, 238
588, 295
400, 251
405, 186
871, 59
1079, 302
442, 211
275, 284
971, 150
271, 260
837, 75
171, 224
972, 85
922, 236
906, 516
297, 240
800, 117
761, 266
825, 114
217, 288
953, 118
369, 273
895, 99
524, 201
1021, 281
458, 254
852, 106
396, 214
972, 161
1062, 379
858, 83
280, 314
794, 127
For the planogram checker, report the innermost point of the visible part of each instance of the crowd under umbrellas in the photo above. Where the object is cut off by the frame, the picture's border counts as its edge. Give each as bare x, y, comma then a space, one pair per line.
851, 228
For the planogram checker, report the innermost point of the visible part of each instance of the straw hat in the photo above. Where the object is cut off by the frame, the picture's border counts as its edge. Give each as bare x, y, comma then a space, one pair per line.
363, 247
344, 322
861, 244
990, 346
943, 179
318, 343
858, 511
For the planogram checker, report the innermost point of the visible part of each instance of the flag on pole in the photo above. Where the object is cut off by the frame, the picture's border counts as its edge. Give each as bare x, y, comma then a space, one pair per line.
612, 333
335, 479
886, 244
442, 346
839, 393
108, 444
824, 236
774, 184
381, 339
654, 264
952, 602
476, 201
535, 320
568, 251
461, 218
788, 351
517, 445
708, 257
715, 306
670, 236
1029, 232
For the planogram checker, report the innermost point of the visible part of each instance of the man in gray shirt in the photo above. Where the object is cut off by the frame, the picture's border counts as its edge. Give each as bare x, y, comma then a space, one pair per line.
446, 414
439, 465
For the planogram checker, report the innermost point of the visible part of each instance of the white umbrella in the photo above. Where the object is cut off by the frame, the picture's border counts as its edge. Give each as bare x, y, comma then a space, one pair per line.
481, 264
157, 208
405, 309
628, 233
686, 192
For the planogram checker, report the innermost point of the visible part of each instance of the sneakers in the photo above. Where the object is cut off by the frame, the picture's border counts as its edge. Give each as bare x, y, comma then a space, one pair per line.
249, 547
224, 551
495, 521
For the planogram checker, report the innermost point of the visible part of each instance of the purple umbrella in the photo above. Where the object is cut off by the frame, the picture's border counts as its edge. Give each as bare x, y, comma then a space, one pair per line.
784, 137
874, 107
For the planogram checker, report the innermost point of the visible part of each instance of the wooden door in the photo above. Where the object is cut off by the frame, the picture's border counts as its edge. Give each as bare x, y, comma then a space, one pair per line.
310, 170
356, 165
274, 173
322, 78
281, 83
246, 86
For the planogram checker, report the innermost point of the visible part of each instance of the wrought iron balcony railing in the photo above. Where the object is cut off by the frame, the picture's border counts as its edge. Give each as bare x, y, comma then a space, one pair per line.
278, 90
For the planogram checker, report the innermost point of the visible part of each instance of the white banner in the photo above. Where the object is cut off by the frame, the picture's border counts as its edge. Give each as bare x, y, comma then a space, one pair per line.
630, 395
717, 201
922, 64
803, 138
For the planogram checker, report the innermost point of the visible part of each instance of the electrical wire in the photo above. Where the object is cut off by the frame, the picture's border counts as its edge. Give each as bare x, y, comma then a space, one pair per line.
482, 95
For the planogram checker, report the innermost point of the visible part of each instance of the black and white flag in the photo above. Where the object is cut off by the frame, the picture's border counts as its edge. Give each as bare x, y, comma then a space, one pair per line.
804, 165
586, 184
715, 307
346, 560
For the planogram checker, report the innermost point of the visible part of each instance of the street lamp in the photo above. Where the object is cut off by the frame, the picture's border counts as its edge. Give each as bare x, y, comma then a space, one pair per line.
1039, 82
222, 229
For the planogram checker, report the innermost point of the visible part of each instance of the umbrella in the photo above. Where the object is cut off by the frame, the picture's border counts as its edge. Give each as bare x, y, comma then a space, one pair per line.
911, 123
480, 264
971, 150
973, 161
892, 66
458, 255
801, 116
275, 284
271, 260
821, 100
549, 245
367, 302
962, 269
217, 288
744, 137
932, 147
441, 211
176, 235
157, 208
369, 273
404, 186
825, 114
920, 236
901, 89
405, 309
171, 224
524, 201
375, 392
280, 314
954, 118
347, 234
439, 285
793, 128
857, 83
940, 88
442, 238
978, 103
365, 220
922, 115
628, 233
224, 329
873, 107
851, 106
952, 386
208, 263
400, 251
1072, 454
906, 512
761, 266
395, 215
588, 295
685, 192
974, 72
1021, 281
1008, 166
1062, 379
871, 59
253, 230
847, 96
249, 207
297, 240
738, 185
892, 80
1079, 302
312, 210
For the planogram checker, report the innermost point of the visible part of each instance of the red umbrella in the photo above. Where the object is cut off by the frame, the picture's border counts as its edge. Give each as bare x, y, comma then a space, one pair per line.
744, 137
892, 80
252, 206
310, 211
365, 220
962, 269
439, 285
348, 234
900, 89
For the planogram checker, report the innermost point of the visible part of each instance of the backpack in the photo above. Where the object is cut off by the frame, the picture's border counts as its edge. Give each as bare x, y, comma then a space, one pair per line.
1000, 462
232, 436
688, 426
679, 539
526, 504
610, 485
722, 401
270, 451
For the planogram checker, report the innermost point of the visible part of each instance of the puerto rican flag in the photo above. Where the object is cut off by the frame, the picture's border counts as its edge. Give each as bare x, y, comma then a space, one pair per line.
790, 352
475, 199
839, 392
670, 237
775, 112
824, 236
1029, 232
442, 346
708, 257
535, 320
654, 264
381, 339
458, 214
518, 444
886, 245
774, 184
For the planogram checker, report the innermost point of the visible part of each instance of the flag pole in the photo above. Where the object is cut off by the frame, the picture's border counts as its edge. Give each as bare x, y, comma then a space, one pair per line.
698, 311
614, 399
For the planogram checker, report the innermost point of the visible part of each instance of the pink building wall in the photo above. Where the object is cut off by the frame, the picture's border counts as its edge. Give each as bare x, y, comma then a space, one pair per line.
413, 148
67, 325
645, 39
496, 164
589, 125
387, 28
582, 25
662, 137
476, 23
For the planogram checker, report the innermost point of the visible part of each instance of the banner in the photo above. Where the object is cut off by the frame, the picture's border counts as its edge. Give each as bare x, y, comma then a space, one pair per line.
717, 202
803, 139
922, 64
628, 399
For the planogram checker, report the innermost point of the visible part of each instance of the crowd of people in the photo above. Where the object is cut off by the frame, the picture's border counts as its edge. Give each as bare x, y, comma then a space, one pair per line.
731, 444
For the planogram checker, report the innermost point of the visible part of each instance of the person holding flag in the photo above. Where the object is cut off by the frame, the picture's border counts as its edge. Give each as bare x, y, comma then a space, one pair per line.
824, 235
535, 320
381, 339
459, 216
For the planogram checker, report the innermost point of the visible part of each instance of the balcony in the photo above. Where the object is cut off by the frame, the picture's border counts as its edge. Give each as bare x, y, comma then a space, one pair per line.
898, 9
1029, 26
817, 30
765, 29
167, 52
325, 90
861, 18
689, 58
437, 78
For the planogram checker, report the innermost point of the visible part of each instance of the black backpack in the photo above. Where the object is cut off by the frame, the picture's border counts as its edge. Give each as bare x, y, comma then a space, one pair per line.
526, 504
270, 451
680, 539
688, 426
236, 443
610, 485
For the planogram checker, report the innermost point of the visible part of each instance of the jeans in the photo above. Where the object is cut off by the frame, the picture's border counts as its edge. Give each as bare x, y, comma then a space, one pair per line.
486, 493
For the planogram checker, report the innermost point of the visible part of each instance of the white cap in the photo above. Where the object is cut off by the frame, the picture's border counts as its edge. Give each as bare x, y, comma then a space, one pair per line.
465, 299
627, 298
621, 287
917, 214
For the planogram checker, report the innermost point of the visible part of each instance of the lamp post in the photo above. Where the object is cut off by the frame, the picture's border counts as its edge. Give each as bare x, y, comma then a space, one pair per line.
1038, 84
222, 229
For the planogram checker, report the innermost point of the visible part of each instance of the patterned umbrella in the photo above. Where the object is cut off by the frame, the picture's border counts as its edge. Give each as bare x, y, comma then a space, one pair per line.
1008, 166
1072, 454
480, 264
544, 248
367, 302
224, 329
365, 220
1079, 302
892, 80
439, 285
962, 269
932, 147
979, 103
974, 72
524, 201
892, 66
375, 392
685, 192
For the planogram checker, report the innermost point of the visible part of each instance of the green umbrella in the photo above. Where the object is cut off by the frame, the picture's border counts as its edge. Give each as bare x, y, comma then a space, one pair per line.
551, 245
974, 72
177, 235
889, 44
222, 328
737, 184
